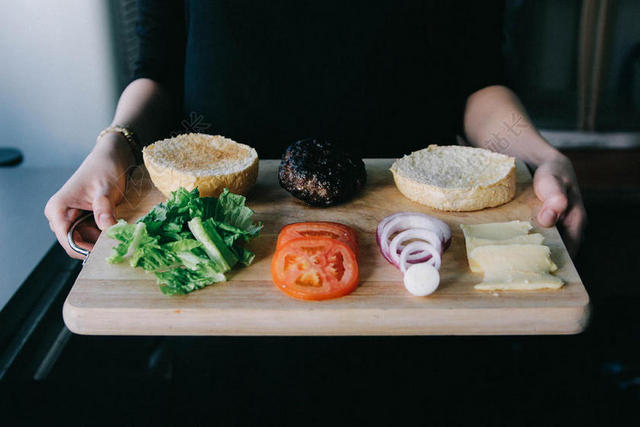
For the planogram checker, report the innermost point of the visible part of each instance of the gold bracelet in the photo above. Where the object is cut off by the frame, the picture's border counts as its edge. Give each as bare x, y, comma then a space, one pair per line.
131, 138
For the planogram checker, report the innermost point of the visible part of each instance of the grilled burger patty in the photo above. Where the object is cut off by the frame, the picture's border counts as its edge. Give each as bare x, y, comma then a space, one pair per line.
321, 173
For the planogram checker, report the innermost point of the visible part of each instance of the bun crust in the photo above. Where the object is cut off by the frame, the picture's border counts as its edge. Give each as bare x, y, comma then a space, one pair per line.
209, 162
453, 178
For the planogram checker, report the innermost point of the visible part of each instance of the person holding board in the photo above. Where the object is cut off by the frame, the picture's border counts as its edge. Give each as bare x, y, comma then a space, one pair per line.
382, 78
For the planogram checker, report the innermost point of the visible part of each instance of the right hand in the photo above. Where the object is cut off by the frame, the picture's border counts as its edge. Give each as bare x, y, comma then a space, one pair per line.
556, 185
98, 185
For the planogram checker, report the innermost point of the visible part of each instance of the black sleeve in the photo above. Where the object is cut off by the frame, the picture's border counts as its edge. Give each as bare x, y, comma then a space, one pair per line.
479, 46
160, 27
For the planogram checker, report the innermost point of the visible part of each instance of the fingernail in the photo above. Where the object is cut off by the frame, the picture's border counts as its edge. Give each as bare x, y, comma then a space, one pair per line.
548, 217
105, 220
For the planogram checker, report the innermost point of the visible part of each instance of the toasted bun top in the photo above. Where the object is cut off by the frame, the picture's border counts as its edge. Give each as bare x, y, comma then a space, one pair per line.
454, 166
201, 155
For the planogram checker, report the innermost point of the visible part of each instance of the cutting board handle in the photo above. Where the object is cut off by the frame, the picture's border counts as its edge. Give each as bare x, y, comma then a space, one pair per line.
72, 243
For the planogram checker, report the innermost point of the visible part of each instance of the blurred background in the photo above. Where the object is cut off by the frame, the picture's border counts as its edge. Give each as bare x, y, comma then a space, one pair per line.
575, 65
59, 79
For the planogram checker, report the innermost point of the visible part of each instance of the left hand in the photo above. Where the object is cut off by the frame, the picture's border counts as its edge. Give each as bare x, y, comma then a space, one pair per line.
556, 185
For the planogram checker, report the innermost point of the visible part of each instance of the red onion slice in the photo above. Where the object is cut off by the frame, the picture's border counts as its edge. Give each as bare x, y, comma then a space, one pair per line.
435, 260
424, 257
416, 249
413, 233
404, 221
391, 227
421, 280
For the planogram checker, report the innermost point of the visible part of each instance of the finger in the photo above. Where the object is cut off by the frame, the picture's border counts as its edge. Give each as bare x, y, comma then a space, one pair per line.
573, 226
551, 191
104, 212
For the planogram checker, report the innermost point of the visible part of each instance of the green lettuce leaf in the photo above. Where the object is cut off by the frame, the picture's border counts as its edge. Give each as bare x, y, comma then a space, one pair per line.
153, 257
188, 242
231, 210
245, 256
213, 244
167, 220
131, 236
180, 281
122, 232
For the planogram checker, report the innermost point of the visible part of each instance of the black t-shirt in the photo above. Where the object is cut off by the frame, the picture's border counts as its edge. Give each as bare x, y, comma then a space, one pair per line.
382, 77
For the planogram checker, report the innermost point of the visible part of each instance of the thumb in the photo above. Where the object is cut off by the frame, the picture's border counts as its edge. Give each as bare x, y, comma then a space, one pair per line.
104, 212
553, 194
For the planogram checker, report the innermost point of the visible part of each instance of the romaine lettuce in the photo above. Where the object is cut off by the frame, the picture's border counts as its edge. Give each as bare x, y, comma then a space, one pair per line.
188, 242
213, 244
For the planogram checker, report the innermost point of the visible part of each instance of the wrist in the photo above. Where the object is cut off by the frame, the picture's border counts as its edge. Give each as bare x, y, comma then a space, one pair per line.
545, 153
116, 147
555, 156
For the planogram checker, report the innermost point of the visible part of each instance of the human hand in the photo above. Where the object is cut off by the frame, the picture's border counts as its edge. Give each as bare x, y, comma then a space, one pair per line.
98, 185
556, 185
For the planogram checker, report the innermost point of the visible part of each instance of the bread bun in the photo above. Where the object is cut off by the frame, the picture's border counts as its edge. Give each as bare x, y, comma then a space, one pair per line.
455, 178
208, 162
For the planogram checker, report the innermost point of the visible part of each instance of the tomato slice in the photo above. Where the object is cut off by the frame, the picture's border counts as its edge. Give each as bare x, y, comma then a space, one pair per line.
315, 268
332, 230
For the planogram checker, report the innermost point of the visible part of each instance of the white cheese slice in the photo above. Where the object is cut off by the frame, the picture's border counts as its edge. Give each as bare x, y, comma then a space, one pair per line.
495, 260
497, 233
520, 282
496, 230
474, 242
509, 257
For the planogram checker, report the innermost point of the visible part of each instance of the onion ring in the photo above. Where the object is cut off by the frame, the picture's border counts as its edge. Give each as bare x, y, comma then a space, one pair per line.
402, 221
435, 260
413, 233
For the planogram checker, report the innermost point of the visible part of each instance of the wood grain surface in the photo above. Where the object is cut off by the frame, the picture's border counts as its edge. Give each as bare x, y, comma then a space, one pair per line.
120, 300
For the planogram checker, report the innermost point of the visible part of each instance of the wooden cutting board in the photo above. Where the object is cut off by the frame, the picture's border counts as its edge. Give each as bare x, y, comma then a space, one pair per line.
120, 300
